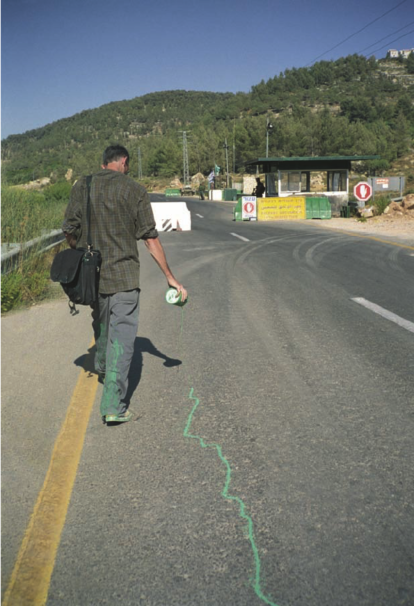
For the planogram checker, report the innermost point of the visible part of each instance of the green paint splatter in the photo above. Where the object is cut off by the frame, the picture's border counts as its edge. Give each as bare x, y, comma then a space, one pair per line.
225, 493
101, 344
110, 397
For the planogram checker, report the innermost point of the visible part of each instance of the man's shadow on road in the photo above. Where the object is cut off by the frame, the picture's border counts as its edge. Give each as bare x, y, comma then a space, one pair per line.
142, 345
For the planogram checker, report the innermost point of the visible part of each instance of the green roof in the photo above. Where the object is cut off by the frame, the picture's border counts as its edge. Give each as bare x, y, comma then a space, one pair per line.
312, 159
309, 162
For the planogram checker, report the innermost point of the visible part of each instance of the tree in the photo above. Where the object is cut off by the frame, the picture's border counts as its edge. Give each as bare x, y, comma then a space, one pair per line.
164, 160
402, 135
359, 108
405, 105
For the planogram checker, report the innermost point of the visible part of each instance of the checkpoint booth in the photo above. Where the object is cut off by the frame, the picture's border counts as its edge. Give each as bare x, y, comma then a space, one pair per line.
291, 184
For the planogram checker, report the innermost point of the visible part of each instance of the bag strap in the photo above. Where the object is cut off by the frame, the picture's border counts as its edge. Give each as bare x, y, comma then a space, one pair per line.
88, 211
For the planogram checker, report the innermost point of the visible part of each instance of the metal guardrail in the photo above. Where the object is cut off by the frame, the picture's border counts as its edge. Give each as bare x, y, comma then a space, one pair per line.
10, 259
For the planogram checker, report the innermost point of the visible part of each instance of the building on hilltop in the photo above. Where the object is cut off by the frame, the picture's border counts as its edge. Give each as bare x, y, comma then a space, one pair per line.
394, 54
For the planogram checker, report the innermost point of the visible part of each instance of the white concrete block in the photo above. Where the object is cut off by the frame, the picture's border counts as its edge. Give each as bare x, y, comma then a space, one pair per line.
171, 215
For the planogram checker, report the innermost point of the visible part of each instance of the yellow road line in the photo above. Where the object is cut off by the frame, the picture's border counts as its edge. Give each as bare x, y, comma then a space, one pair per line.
365, 236
29, 583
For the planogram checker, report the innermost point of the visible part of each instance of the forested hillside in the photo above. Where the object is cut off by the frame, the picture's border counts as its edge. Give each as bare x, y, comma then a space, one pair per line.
349, 106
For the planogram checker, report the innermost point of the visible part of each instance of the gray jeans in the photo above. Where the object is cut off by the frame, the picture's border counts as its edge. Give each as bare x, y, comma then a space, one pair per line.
115, 325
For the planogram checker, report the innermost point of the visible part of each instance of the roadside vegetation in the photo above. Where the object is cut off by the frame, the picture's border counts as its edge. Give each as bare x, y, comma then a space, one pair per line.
29, 283
27, 215
380, 203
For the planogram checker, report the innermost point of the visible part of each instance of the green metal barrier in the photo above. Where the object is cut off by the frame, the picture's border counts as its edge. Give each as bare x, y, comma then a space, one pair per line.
237, 211
172, 192
230, 195
318, 208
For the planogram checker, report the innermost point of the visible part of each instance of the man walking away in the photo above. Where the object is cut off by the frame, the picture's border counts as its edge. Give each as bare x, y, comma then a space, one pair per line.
121, 214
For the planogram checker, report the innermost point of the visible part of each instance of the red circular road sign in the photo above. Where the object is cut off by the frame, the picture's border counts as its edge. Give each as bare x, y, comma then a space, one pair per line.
363, 191
248, 207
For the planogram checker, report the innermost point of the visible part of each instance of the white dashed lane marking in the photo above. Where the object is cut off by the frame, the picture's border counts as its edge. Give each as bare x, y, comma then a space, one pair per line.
388, 315
241, 237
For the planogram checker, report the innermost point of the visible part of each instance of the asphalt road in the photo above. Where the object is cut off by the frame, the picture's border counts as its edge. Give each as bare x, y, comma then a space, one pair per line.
271, 456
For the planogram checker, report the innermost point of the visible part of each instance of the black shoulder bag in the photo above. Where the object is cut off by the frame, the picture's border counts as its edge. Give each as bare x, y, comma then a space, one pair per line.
78, 269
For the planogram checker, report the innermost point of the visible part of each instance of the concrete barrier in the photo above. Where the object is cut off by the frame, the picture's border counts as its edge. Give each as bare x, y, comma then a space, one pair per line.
216, 195
171, 216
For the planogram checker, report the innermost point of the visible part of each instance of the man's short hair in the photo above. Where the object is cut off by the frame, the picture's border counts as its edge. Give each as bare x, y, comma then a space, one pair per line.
114, 153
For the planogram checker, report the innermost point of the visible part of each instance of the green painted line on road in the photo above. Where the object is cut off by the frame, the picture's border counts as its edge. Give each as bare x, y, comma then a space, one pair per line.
225, 494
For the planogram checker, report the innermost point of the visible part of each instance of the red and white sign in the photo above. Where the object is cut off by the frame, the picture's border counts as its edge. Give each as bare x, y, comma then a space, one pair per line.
249, 208
384, 183
363, 191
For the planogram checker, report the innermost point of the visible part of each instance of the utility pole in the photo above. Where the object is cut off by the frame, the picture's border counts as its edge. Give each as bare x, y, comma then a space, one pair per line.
139, 164
226, 147
269, 127
234, 147
186, 170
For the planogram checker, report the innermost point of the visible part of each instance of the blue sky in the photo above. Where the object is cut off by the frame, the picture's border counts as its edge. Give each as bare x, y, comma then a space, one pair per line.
60, 57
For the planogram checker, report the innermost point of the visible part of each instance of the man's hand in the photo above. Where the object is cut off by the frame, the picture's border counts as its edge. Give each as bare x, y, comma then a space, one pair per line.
178, 287
157, 252
71, 240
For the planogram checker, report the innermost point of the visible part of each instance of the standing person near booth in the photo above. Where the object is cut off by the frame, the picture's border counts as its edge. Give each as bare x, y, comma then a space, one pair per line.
121, 214
259, 190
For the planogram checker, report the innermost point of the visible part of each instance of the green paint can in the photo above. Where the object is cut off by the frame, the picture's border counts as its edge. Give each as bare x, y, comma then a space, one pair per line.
173, 297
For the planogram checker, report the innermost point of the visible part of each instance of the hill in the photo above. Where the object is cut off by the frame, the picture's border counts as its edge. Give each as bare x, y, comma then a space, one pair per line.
350, 106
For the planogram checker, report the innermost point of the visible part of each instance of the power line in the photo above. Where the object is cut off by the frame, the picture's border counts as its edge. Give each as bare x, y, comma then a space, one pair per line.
355, 33
392, 41
387, 36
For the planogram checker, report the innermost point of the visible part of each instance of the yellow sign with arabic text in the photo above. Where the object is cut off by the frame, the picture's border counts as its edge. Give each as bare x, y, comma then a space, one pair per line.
281, 209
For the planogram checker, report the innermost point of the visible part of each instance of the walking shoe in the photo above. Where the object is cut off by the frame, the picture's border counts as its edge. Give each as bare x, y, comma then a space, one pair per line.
122, 418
